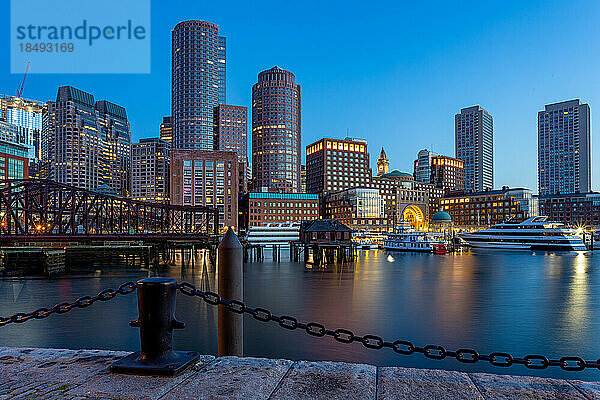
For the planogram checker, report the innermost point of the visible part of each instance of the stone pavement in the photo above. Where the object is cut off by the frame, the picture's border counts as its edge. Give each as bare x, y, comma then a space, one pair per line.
27, 373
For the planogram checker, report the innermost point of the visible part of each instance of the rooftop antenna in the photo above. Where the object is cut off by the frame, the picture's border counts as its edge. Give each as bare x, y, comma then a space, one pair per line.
20, 89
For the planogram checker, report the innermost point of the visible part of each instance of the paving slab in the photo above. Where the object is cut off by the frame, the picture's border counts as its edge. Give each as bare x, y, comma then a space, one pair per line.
328, 380
524, 387
69, 366
233, 378
22, 389
590, 389
14, 361
29, 373
123, 386
414, 383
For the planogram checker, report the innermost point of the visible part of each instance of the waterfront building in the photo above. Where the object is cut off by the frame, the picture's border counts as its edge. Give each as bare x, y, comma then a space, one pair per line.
197, 71
447, 173
262, 208
25, 120
334, 164
406, 199
10, 133
86, 143
276, 131
486, 208
150, 159
166, 129
387, 185
359, 208
422, 167
230, 129
572, 209
206, 178
383, 165
14, 160
564, 152
303, 178
323, 231
474, 145
222, 70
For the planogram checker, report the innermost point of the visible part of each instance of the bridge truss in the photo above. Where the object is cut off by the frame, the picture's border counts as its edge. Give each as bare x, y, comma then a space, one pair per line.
36, 209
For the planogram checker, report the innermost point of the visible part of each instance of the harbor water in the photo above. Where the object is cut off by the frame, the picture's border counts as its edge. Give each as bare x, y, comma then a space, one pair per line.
488, 300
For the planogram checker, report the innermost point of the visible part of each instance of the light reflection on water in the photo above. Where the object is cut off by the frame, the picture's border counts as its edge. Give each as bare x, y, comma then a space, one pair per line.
522, 303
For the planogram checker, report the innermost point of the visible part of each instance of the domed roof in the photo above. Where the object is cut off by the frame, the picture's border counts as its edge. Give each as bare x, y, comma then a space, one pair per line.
441, 216
397, 173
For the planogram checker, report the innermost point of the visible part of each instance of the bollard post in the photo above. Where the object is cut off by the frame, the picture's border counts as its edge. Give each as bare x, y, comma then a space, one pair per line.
231, 287
156, 320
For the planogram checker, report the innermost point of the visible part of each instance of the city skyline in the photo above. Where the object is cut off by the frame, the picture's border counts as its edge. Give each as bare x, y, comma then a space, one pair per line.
334, 95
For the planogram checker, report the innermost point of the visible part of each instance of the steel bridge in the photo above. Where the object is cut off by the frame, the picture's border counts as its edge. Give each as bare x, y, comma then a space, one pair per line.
44, 210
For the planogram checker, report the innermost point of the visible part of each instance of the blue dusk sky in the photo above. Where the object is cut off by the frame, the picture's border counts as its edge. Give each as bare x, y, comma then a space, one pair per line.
394, 73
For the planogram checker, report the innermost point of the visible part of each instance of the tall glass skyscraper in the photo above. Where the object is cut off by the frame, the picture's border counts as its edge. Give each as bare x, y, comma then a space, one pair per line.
276, 131
25, 116
564, 154
198, 70
474, 145
222, 70
86, 143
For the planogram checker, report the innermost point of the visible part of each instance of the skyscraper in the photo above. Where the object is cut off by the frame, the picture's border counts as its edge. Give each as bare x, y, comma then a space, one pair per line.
86, 143
474, 144
150, 160
564, 153
231, 127
231, 130
197, 71
276, 131
166, 129
25, 118
222, 70
336, 164
423, 166
206, 178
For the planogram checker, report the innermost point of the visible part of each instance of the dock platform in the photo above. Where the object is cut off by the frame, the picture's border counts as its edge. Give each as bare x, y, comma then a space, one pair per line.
35, 373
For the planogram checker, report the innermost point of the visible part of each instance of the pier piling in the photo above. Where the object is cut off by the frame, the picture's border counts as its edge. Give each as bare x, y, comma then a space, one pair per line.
231, 286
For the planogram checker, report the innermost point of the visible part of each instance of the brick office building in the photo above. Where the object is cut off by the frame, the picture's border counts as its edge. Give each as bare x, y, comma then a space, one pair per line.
206, 178
261, 208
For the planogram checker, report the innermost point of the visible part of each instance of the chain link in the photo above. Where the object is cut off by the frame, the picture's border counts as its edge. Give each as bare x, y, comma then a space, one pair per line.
61, 308
435, 352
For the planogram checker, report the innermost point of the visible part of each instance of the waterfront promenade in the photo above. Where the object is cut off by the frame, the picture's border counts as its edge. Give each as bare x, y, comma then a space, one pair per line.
31, 373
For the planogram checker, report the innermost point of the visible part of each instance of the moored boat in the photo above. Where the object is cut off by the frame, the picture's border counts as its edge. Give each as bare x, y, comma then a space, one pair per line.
407, 239
535, 233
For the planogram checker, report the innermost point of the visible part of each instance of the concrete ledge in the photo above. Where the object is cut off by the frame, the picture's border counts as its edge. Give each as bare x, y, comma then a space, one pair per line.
27, 373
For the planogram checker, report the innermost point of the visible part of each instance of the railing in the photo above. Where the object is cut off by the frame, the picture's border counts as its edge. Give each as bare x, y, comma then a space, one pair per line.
156, 306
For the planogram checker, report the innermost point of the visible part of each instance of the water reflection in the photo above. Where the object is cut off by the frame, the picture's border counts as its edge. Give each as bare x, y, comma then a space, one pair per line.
545, 303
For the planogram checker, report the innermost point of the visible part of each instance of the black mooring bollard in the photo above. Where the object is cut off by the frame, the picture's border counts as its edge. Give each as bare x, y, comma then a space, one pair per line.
156, 320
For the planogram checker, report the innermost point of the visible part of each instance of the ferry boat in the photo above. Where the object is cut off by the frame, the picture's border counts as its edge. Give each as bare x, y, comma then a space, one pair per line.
368, 240
410, 240
280, 234
535, 233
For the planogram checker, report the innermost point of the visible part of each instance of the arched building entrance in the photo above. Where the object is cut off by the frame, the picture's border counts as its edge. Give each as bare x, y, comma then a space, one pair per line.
415, 216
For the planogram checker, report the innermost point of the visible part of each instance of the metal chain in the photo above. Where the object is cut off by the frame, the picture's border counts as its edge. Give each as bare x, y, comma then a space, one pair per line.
434, 352
61, 308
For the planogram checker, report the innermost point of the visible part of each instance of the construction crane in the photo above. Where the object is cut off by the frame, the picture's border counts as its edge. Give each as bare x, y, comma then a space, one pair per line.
20, 89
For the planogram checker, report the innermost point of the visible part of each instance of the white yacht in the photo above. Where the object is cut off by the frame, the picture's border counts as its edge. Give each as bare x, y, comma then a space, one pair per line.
408, 239
535, 233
